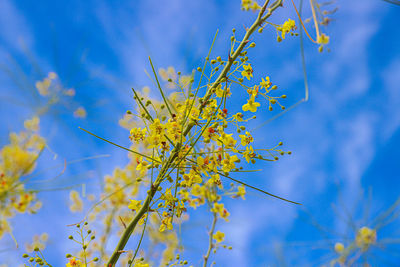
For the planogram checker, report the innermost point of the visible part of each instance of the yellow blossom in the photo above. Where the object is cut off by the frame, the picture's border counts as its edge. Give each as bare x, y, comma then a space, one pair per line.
219, 236
238, 117
250, 4
157, 131
228, 163
220, 209
77, 203
17, 161
142, 166
75, 263
247, 71
135, 205
43, 87
141, 264
339, 248
32, 124
137, 134
246, 139
265, 83
365, 237
287, 27
4, 227
203, 164
80, 112
190, 178
251, 105
241, 191
249, 153
23, 203
227, 140
323, 39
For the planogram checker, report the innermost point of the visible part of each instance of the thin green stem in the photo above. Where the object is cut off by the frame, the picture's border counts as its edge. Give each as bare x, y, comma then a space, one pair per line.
210, 240
159, 87
127, 149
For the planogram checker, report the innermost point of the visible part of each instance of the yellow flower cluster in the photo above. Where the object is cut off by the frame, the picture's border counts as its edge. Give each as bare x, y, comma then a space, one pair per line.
365, 238
43, 86
76, 202
73, 262
17, 160
250, 5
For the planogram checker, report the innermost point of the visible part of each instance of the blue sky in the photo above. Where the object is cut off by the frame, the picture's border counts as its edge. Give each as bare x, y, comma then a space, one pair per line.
344, 139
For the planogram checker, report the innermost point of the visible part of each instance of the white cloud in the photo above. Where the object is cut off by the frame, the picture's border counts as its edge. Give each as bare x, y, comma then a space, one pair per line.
14, 29
391, 101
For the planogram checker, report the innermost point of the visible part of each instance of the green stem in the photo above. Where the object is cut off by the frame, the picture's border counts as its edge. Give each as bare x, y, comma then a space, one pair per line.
159, 87
210, 242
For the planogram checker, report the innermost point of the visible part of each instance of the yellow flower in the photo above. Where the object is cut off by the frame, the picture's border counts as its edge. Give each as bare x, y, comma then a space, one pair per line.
238, 117
203, 164
80, 113
227, 140
247, 71
197, 190
288, 26
215, 180
135, 205
43, 87
191, 178
32, 124
228, 163
157, 131
246, 139
218, 91
77, 204
23, 203
17, 161
220, 209
365, 237
249, 153
4, 227
265, 83
137, 134
251, 105
75, 263
323, 39
339, 248
241, 191
52, 75
250, 4
166, 224
141, 264
219, 236
174, 131
142, 166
